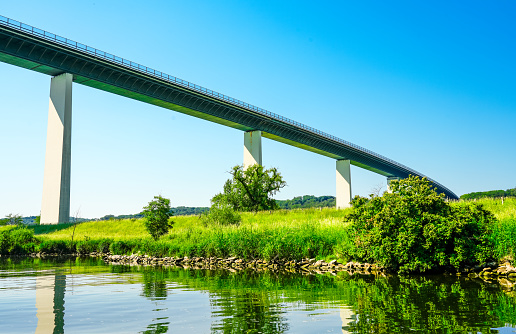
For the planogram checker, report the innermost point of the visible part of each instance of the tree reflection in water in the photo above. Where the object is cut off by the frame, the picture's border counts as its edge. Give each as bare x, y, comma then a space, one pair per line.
247, 312
249, 301
429, 304
155, 288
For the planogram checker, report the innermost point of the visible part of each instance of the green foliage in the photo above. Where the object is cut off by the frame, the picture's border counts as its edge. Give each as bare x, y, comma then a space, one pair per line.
490, 194
157, 214
12, 219
89, 246
289, 234
307, 201
413, 229
221, 213
123, 247
503, 237
251, 189
55, 246
19, 240
187, 211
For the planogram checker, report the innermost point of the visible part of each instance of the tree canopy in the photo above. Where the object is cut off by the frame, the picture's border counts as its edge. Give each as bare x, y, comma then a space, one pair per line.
251, 189
156, 214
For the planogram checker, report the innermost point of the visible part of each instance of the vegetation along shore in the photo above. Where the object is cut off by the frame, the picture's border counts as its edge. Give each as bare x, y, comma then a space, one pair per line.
411, 230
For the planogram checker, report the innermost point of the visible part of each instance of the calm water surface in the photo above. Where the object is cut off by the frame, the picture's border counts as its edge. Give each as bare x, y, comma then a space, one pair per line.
88, 296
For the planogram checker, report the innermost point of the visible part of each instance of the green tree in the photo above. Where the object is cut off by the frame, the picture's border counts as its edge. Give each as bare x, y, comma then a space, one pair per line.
413, 229
251, 189
11, 219
157, 214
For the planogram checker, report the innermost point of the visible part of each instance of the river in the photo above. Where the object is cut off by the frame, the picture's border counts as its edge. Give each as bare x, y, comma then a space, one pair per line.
88, 296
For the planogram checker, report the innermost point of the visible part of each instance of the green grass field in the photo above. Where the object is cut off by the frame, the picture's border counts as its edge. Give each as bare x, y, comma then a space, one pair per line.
284, 234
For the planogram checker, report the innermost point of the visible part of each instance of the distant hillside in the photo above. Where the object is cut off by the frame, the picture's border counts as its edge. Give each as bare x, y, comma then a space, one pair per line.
307, 201
178, 211
490, 194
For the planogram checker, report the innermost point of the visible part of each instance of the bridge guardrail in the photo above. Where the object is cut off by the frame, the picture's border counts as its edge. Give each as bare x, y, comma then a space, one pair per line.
186, 84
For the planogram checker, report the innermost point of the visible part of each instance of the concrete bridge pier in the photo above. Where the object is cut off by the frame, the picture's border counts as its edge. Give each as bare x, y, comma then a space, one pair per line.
389, 180
55, 206
343, 184
252, 148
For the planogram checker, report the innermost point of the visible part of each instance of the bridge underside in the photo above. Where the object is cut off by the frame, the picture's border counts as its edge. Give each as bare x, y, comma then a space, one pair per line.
38, 54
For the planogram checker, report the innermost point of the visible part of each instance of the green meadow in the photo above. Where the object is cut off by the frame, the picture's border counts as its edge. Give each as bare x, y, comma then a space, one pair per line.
281, 234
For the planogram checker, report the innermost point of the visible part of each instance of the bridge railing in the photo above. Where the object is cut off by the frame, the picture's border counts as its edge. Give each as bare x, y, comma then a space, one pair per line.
172, 79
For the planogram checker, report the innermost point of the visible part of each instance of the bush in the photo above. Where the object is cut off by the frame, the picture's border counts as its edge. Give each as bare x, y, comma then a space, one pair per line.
413, 229
156, 214
55, 246
18, 240
121, 247
88, 246
221, 213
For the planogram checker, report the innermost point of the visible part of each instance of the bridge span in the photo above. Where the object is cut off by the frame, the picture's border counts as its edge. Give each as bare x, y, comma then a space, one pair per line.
68, 61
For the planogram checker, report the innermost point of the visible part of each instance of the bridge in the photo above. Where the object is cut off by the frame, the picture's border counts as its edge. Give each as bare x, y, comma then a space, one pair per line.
70, 62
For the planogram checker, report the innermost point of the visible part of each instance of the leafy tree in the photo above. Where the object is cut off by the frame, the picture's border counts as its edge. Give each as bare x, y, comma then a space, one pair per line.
251, 189
11, 219
413, 229
157, 214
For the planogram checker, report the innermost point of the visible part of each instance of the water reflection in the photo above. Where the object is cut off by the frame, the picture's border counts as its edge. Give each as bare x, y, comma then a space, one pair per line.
155, 288
50, 291
348, 317
246, 312
169, 300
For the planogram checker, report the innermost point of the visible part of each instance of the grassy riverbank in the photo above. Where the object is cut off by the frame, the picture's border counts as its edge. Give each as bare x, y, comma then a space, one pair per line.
283, 234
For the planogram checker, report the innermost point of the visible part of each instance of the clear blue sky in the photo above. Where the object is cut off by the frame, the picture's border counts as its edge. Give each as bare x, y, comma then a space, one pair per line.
428, 84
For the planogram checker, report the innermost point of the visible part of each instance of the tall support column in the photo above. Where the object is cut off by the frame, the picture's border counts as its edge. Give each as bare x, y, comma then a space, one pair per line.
55, 206
252, 148
389, 180
343, 184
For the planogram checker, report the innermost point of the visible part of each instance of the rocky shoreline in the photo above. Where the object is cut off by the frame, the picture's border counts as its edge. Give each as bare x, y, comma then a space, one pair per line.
487, 271
235, 264
504, 272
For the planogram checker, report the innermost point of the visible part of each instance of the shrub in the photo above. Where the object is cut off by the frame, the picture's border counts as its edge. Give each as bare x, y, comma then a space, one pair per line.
88, 246
54, 246
122, 247
157, 214
221, 213
18, 240
413, 229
